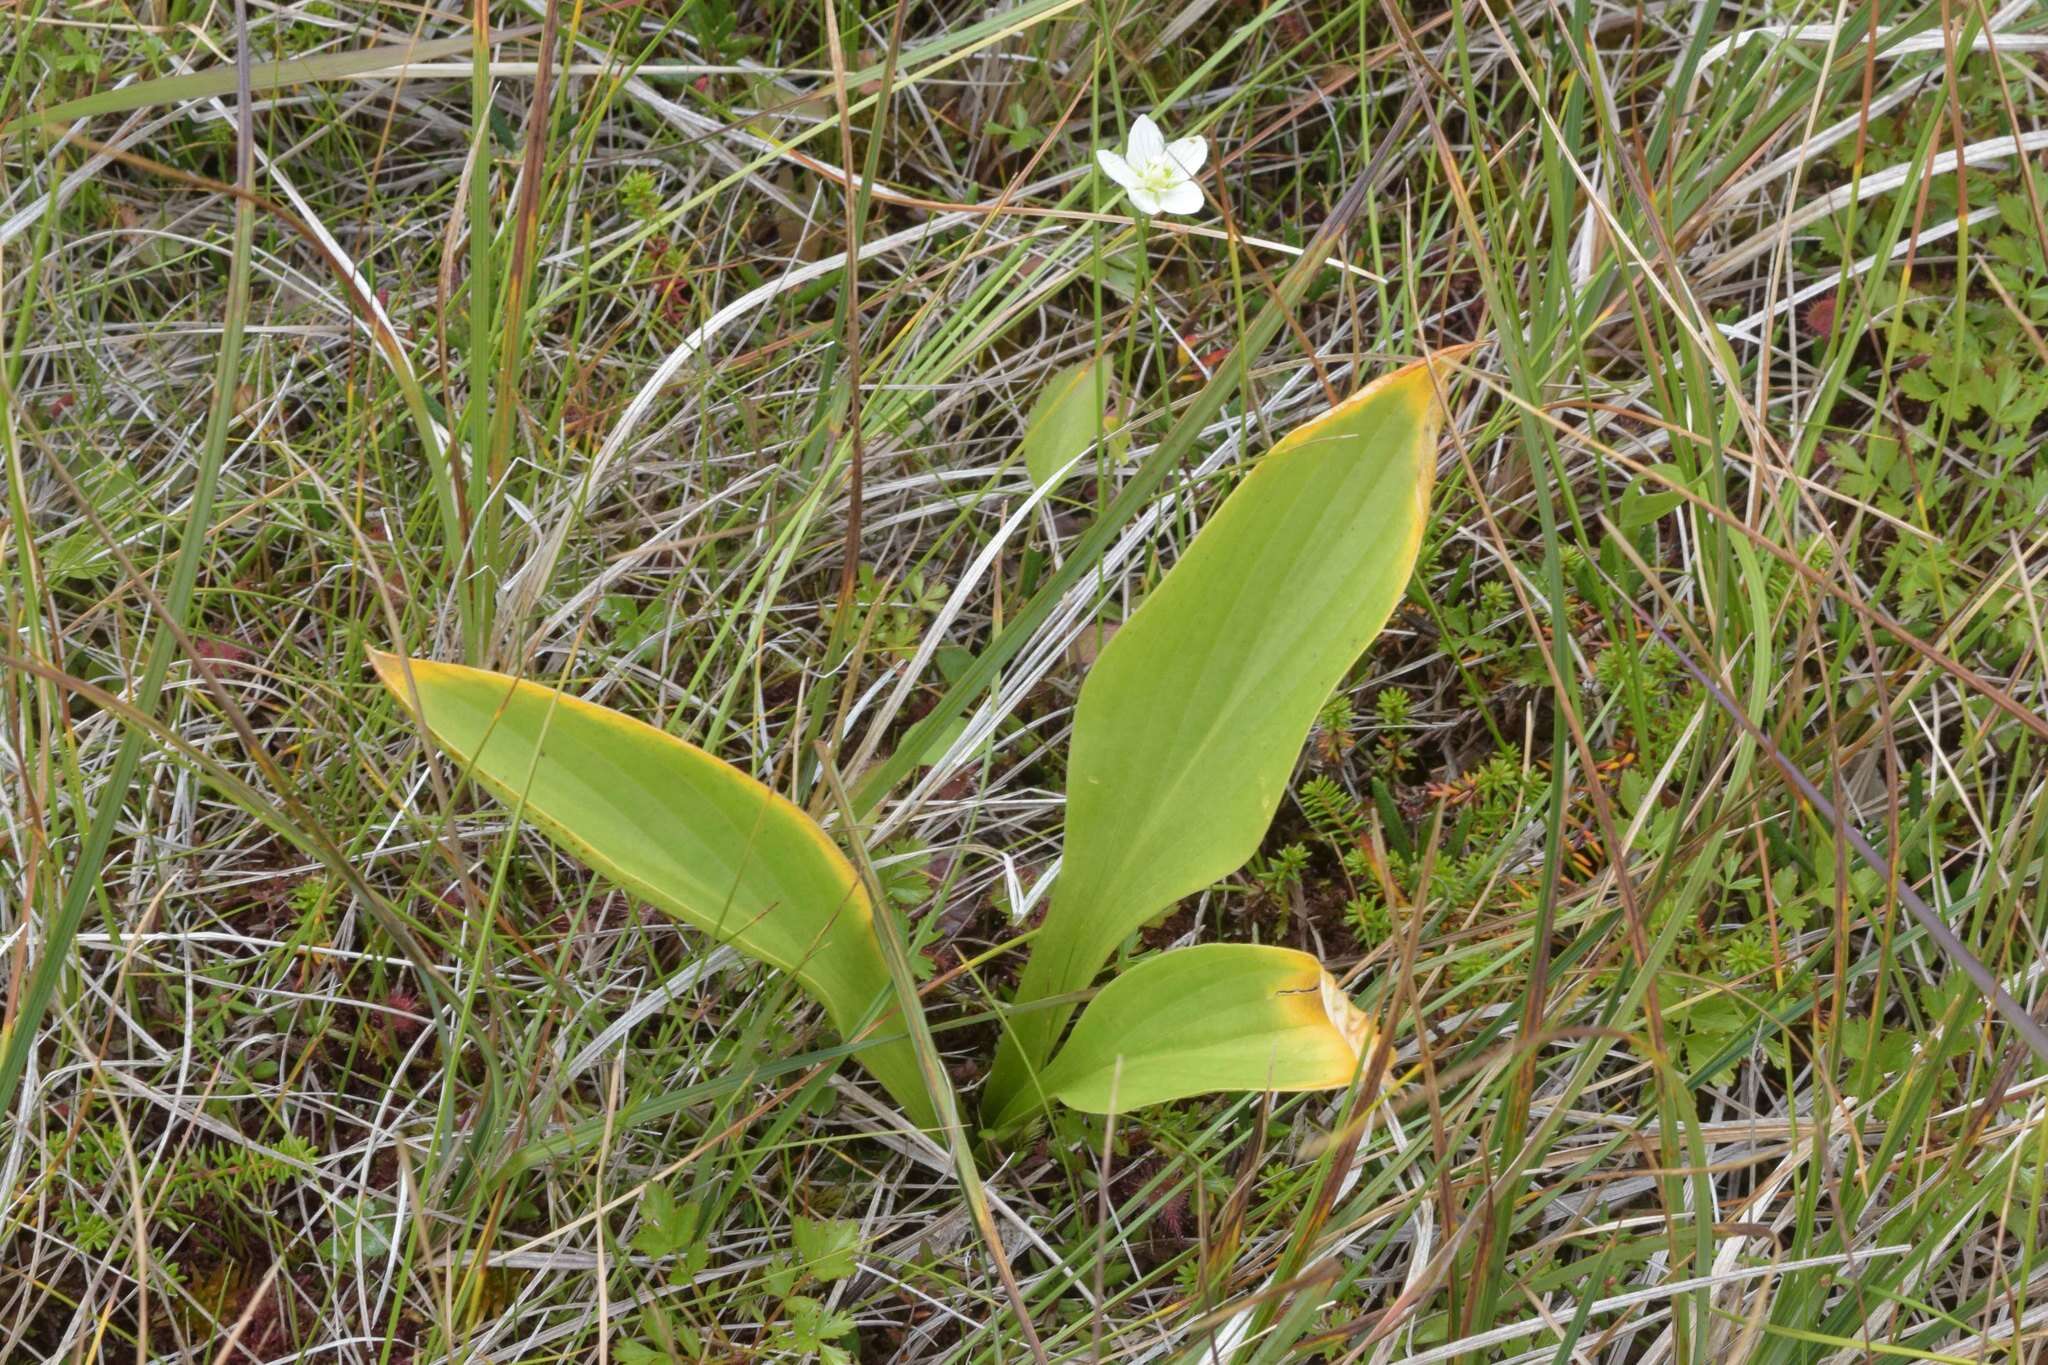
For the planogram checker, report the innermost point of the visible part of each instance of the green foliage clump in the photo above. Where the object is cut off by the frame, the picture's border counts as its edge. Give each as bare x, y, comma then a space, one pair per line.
1967, 359
1370, 918
219, 1185
1331, 813
1394, 708
639, 195
900, 609
1278, 874
1333, 735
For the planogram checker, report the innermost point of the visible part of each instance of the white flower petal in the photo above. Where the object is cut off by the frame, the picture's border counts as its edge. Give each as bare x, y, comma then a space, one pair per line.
1116, 168
1144, 201
1147, 145
1186, 197
1188, 153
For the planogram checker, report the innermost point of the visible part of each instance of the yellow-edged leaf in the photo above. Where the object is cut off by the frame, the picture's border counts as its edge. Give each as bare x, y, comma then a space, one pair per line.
1213, 1018
1190, 722
677, 827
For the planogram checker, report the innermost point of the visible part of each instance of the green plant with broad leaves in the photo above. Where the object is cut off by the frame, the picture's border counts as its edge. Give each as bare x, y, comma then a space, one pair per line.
1187, 730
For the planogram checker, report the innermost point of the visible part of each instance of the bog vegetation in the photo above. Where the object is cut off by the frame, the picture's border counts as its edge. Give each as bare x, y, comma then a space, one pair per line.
1254, 682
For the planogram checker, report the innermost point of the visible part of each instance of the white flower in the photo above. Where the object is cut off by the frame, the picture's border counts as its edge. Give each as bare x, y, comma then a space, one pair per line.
1157, 174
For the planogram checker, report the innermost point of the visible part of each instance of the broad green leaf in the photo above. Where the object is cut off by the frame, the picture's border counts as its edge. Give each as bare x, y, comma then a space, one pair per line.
1194, 1021
678, 828
826, 1247
263, 76
1651, 497
1066, 419
1191, 720
1643, 505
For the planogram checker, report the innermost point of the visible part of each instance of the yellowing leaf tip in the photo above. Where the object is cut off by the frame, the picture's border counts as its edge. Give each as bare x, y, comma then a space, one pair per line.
1353, 1025
1428, 374
1418, 380
397, 671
